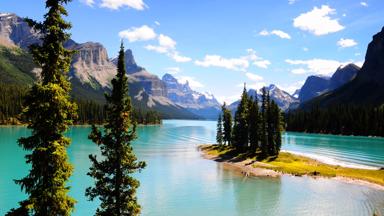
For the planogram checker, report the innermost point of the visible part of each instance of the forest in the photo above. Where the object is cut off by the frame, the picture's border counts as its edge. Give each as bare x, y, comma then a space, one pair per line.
89, 112
341, 119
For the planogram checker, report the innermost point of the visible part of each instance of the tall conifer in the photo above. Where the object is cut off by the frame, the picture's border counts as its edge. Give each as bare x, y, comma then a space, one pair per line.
48, 110
254, 123
219, 134
240, 127
114, 185
227, 124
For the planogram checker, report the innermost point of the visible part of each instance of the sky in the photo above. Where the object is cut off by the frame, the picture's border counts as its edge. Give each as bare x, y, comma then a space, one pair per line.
218, 45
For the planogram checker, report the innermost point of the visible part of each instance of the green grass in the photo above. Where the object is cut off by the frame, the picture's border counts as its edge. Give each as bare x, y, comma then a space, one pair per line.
295, 165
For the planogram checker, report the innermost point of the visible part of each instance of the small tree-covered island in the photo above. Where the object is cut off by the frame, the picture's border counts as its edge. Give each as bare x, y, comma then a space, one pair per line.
140, 107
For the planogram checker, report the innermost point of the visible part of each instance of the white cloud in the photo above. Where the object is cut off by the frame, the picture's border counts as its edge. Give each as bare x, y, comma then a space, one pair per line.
172, 70
305, 49
228, 99
291, 2
346, 43
157, 23
364, 4
238, 64
357, 54
262, 63
168, 46
88, 2
179, 58
241, 63
298, 71
116, 4
324, 67
143, 33
292, 87
193, 83
276, 32
253, 77
318, 22
257, 85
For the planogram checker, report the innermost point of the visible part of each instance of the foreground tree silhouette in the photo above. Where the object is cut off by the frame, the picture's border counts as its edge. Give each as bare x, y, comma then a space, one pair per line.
114, 185
49, 111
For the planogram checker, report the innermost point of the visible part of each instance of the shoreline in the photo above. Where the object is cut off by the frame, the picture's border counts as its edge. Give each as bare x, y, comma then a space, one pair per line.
250, 167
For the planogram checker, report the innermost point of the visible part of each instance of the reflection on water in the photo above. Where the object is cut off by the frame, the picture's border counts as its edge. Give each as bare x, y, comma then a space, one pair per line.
178, 181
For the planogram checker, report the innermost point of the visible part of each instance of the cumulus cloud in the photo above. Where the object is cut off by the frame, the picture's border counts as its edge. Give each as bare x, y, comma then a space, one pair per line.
346, 43
157, 23
318, 21
291, 2
241, 63
364, 4
305, 49
143, 33
253, 77
116, 4
168, 46
324, 67
276, 32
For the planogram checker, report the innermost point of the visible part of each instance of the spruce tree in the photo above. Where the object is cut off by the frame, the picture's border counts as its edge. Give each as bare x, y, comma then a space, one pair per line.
227, 124
240, 127
219, 134
277, 124
114, 185
270, 127
254, 124
48, 111
263, 131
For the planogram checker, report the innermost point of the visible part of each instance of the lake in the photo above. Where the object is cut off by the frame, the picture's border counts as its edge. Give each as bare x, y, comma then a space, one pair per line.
178, 181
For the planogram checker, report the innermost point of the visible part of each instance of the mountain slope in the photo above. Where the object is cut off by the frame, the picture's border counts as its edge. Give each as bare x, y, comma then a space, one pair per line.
367, 88
204, 105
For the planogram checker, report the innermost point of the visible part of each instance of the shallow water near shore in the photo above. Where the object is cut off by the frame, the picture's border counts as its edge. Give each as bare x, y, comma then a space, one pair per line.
178, 181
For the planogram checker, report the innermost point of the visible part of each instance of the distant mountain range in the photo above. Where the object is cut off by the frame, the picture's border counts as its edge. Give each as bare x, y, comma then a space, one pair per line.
92, 70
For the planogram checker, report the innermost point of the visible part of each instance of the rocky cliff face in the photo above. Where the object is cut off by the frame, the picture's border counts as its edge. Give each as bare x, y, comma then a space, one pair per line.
130, 63
203, 104
14, 30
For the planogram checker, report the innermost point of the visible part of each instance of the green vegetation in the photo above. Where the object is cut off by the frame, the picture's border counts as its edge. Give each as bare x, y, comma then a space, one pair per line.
340, 119
48, 111
294, 164
252, 130
114, 185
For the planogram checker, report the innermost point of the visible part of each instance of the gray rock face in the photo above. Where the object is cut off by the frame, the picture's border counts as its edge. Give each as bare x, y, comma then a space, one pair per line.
317, 85
15, 30
202, 104
130, 63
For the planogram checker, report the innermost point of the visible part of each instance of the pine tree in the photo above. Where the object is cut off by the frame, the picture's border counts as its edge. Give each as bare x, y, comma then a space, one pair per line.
114, 185
219, 134
227, 124
263, 131
254, 124
240, 127
277, 123
270, 127
49, 111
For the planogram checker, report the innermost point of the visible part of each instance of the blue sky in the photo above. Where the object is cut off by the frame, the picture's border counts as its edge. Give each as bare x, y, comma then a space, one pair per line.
219, 44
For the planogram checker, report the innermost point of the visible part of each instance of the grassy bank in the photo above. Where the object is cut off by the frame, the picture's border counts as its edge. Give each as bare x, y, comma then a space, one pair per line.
293, 164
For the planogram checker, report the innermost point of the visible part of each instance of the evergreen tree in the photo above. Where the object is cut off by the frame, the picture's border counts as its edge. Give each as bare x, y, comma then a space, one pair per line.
227, 124
48, 111
277, 122
263, 131
254, 124
240, 127
219, 134
114, 185
270, 127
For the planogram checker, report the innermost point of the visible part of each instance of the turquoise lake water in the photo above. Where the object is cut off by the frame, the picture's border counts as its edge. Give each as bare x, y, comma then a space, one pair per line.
178, 181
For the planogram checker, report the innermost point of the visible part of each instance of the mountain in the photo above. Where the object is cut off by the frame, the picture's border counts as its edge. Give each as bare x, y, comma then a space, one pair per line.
90, 73
202, 104
318, 85
367, 88
283, 99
